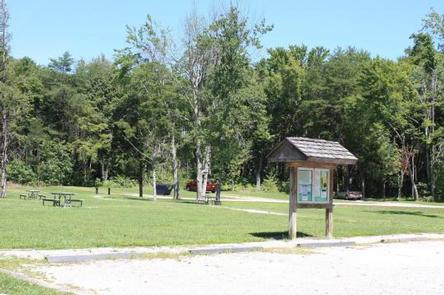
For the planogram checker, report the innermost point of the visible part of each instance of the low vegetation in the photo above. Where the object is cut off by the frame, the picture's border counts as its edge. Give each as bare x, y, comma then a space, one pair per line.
12, 286
123, 219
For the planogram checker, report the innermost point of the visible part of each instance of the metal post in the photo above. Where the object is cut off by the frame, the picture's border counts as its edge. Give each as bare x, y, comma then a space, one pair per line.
218, 201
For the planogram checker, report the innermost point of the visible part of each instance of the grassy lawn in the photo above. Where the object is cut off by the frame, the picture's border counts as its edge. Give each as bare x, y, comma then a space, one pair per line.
125, 220
12, 286
269, 195
360, 220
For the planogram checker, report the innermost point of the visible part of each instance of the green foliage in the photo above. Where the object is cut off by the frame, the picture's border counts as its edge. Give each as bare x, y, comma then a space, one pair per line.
73, 122
270, 184
62, 64
123, 181
235, 113
55, 166
19, 172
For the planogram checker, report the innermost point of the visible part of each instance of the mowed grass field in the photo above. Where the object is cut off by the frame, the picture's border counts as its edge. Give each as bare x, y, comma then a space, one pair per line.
12, 286
124, 220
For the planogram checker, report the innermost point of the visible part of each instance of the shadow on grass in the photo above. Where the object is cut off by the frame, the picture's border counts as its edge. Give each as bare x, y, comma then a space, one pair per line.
189, 202
278, 235
137, 199
180, 201
411, 213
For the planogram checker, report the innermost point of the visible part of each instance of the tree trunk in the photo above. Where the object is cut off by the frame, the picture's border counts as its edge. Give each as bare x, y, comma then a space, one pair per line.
218, 201
154, 184
383, 190
412, 172
199, 171
258, 174
4, 160
400, 184
433, 186
104, 170
364, 195
206, 169
141, 177
175, 168
432, 132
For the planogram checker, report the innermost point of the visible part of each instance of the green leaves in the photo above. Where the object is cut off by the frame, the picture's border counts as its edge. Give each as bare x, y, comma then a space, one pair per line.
62, 64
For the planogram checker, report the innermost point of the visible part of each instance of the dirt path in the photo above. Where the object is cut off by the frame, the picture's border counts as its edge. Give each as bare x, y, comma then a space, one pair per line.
396, 269
252, 199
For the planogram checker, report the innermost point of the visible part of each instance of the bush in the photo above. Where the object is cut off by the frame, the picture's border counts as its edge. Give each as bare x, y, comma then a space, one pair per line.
423, 190
55, 172
270, 184
19, 172
240, 187
54, 166
284, 186
123, 181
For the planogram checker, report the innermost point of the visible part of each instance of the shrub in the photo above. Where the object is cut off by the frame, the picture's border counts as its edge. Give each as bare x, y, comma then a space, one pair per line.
423, 190
284, 186
270, 184
55, 171
55, 165
123, 181
19, 172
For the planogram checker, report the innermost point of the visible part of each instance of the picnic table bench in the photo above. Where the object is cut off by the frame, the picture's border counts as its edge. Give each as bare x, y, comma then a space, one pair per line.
30, 194
207, 199
54, 202
62, 199
211, 199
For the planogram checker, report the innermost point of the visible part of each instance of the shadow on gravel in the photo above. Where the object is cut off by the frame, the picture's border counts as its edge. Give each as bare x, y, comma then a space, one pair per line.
411, 213
278, 235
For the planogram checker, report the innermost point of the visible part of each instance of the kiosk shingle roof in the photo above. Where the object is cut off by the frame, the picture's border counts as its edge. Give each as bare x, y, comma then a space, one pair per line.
309, 149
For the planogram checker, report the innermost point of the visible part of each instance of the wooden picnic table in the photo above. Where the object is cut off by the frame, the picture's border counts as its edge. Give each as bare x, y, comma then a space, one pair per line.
66, 198
30, 194
33, 193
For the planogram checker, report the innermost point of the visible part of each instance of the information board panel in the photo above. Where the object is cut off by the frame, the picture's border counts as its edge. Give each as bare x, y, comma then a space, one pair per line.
313, 185
305, 178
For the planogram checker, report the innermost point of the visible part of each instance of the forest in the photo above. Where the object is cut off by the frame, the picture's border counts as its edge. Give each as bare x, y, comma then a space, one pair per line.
165, 110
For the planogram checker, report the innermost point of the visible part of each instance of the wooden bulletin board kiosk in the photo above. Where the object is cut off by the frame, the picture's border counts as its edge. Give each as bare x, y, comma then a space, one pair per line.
312, 164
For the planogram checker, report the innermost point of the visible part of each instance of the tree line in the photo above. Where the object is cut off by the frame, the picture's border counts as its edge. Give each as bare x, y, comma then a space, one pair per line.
202, 108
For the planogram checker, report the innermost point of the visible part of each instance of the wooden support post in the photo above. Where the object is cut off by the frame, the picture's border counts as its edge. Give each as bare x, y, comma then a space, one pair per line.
109, 191
329, 222
292, 216
97, 190
329, 210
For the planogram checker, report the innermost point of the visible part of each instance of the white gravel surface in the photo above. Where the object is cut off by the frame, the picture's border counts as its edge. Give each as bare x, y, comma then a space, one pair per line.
398, 268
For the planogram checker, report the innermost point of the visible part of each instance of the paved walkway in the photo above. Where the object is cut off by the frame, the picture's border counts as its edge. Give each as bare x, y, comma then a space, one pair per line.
367, 265
395, 269
100, 253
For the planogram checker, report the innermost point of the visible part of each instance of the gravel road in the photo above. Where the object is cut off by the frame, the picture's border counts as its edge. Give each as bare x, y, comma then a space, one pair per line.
398, 268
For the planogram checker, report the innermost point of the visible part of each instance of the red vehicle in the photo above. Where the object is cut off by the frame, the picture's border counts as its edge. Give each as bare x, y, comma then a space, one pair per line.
192, 186
350, 195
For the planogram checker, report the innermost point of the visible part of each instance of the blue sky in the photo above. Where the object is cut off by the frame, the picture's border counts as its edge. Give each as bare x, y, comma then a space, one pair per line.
43, 29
